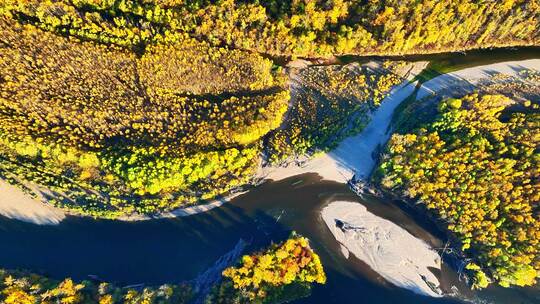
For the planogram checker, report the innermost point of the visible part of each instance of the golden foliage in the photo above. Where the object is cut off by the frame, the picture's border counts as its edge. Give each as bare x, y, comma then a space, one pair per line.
479, 173
292, 261
116, 133
23, 288
293, 28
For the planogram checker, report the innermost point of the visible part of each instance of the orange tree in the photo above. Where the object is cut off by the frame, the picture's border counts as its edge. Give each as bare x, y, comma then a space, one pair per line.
283, 271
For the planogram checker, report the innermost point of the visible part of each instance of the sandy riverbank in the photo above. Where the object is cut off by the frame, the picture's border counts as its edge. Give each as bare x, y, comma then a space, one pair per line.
180, 212
354, 155
348, 159
16, 204
391, 251
473, 76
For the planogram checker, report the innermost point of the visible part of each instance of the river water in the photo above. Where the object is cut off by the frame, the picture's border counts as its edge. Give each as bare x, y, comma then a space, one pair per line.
450, 62
176, 250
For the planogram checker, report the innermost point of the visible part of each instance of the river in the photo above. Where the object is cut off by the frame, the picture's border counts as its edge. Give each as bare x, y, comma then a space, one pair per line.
177, 250
449, 62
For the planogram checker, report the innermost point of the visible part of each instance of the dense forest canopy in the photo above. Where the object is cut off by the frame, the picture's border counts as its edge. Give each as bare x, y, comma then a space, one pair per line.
101, 124
478, 171
293, 28
116, 109
18, 287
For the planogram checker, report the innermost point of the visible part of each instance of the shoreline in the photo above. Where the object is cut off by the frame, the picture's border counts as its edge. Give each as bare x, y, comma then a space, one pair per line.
352, 157
181, 212
37, 211
414, 206
16, 204
342, 163
335, 59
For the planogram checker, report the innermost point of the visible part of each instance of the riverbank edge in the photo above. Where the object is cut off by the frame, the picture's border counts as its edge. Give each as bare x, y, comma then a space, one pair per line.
191, 210
336, 59
34, 210
40, 203
453, 252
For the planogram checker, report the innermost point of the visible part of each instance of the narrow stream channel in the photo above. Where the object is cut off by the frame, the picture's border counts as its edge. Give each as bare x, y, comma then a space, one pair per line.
450, 62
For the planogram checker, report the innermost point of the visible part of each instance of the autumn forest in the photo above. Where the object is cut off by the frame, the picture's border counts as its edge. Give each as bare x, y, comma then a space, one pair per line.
138, 109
